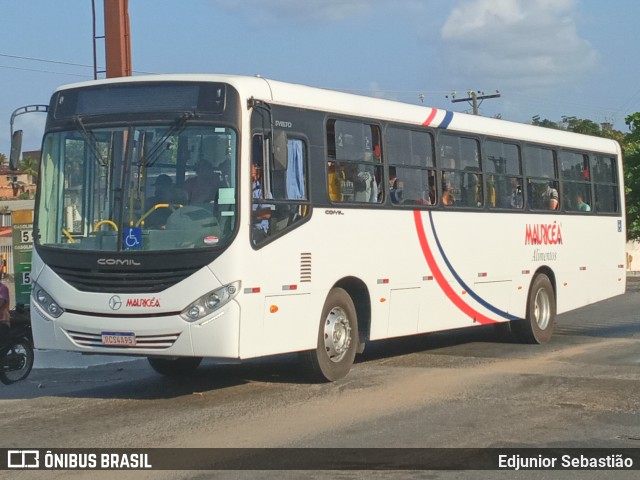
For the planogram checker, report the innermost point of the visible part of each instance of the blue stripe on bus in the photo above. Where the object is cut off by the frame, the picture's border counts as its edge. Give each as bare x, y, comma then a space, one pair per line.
473, 295
447, 119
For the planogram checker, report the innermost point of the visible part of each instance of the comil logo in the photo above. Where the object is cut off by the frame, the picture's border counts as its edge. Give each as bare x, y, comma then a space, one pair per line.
118, 262
23, 459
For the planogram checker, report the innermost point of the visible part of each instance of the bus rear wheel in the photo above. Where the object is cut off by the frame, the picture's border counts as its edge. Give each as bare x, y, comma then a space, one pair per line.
174, 367
537, 327
337, 338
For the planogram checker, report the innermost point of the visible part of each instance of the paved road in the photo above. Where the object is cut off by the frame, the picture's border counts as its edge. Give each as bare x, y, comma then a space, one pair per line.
457, 389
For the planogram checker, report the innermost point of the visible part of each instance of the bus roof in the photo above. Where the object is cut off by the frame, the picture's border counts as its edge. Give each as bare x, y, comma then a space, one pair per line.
350, 104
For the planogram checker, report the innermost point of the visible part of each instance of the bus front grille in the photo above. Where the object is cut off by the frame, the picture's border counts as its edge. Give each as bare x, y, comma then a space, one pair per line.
147, 342
110, 281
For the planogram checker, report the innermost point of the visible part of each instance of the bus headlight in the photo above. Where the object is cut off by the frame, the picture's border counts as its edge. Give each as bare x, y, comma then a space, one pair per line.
210, 302
47, 304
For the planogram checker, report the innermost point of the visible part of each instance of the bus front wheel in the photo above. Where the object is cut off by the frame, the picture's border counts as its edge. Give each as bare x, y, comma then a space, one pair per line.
337, 338
537, 327
174, 367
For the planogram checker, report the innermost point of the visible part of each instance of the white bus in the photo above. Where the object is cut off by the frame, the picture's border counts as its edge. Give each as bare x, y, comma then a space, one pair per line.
188, 216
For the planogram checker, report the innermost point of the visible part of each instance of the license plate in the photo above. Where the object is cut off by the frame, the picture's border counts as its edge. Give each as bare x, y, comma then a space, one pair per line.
125, 339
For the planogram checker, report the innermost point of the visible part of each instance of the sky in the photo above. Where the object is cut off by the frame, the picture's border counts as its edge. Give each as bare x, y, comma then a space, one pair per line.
550, 58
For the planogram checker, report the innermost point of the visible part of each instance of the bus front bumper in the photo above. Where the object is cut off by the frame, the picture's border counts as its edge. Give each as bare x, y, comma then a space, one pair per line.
217, 335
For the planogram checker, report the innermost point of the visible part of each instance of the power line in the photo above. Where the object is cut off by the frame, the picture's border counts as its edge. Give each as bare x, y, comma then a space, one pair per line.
629, 103
33, 59
57, 62
44, 71
382, 90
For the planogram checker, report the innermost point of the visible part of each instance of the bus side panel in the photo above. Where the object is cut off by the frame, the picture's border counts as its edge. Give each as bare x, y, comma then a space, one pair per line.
590, 273
287, 324
437, 312
280, 311
471, 268
404, 311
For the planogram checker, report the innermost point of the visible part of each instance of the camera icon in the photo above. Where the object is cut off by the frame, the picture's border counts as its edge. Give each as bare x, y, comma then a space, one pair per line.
23, 459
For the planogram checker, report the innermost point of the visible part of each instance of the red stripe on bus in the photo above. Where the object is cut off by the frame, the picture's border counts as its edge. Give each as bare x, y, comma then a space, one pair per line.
430, 118
442, 282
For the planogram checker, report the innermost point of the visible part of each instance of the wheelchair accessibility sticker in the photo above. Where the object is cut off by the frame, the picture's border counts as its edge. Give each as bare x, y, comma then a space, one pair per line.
132, 238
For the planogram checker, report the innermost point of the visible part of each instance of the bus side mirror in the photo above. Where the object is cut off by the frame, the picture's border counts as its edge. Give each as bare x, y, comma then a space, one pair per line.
280, 151
16, 149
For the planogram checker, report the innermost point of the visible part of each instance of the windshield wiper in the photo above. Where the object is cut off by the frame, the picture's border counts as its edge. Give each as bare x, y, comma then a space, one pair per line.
177, 127
91, 140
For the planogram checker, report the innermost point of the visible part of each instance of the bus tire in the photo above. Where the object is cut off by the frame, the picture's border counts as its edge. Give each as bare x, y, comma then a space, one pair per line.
174, 367
537, 327
337, 338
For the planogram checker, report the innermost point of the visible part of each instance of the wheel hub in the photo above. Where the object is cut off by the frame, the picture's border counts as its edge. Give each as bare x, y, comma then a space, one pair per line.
337, 334
542, 309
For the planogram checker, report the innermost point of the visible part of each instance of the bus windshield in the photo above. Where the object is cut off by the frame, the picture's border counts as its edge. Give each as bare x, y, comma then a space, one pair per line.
138, 188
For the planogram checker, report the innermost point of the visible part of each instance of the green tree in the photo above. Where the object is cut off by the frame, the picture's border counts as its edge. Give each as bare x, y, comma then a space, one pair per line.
579, 125
29, 166
545, 123
3, 159
631, 149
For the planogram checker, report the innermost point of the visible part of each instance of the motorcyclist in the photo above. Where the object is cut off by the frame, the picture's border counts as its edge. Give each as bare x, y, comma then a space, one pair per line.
5, 317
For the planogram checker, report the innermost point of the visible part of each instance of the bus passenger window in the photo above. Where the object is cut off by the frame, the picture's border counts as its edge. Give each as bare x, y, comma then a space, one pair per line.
504, 164
542, 192
354, 166
604, 175
411, 169
462, 181
279, 186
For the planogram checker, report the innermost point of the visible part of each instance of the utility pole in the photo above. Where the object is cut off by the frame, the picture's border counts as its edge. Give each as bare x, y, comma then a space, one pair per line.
117, 39
473, 99
95, 38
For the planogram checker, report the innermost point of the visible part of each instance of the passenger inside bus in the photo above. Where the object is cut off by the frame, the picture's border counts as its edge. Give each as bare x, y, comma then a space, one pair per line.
472, 188
395, 186
364, 188
516, 200
447, 195
336, 179
203, 188
432, 190
582, 205
550, 198
165, 193
261, 212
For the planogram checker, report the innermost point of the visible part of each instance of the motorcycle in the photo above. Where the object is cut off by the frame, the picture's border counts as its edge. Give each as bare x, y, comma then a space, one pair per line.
16, 354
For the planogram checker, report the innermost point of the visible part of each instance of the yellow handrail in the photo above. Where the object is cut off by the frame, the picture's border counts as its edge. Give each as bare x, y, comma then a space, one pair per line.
105, 222
154, 208
68, 235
